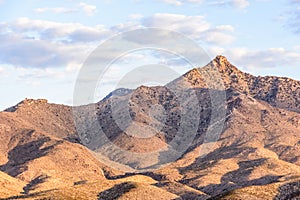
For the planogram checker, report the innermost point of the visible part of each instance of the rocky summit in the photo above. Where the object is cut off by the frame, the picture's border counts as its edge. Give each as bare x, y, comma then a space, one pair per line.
213, 133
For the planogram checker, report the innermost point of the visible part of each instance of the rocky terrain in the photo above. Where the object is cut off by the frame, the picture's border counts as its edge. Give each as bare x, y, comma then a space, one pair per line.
45, 150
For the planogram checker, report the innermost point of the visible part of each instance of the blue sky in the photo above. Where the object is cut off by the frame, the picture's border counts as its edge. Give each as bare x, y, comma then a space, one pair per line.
44, 43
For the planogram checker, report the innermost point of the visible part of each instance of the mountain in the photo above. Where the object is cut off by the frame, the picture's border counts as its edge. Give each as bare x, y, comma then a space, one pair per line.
213, 133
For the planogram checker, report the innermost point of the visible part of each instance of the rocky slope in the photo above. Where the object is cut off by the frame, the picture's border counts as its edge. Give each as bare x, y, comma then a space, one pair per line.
277, 91
256, 155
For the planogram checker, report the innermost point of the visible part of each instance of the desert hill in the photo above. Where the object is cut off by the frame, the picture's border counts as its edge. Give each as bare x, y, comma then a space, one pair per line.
256, 155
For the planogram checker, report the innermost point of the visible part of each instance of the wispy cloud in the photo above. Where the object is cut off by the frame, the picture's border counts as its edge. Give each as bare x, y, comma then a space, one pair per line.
195, 27
173, 2
28, 74
23, 52
68, 44
292, 17
181, 2
261, 59
55, 31
240, 4
55, 44
136, 16
55, 10
1, 70
89, 10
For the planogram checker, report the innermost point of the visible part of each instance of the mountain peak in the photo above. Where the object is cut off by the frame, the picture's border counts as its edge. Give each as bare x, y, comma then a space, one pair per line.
221, 59
223, 65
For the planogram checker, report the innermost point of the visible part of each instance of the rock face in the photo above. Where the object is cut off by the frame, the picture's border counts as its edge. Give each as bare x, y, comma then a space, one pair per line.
256, 155
279, 92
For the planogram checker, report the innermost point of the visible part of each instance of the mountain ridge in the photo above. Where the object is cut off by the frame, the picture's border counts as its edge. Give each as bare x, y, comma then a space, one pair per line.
228, 71
258, 146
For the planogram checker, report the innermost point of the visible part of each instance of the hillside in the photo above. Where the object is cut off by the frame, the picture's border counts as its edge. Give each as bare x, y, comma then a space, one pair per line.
213, 133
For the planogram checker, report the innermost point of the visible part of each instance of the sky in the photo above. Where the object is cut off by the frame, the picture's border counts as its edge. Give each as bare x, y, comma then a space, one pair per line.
44, 44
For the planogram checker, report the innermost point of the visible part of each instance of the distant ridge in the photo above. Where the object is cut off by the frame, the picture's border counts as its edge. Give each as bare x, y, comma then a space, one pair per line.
26, 102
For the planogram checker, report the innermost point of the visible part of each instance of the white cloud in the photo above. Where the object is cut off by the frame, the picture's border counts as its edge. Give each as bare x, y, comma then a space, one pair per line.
73, 66
35, 77
131, 25
195, 1
181, 2
240, 4
292, 17
88, 9
28, 74
173, 2
217, 37
23, 52
225, 28
49, 30
55, 10
195, 27
136, 16
188, 24
260, 59
296, 48
1, 70
44, 44
54, 44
